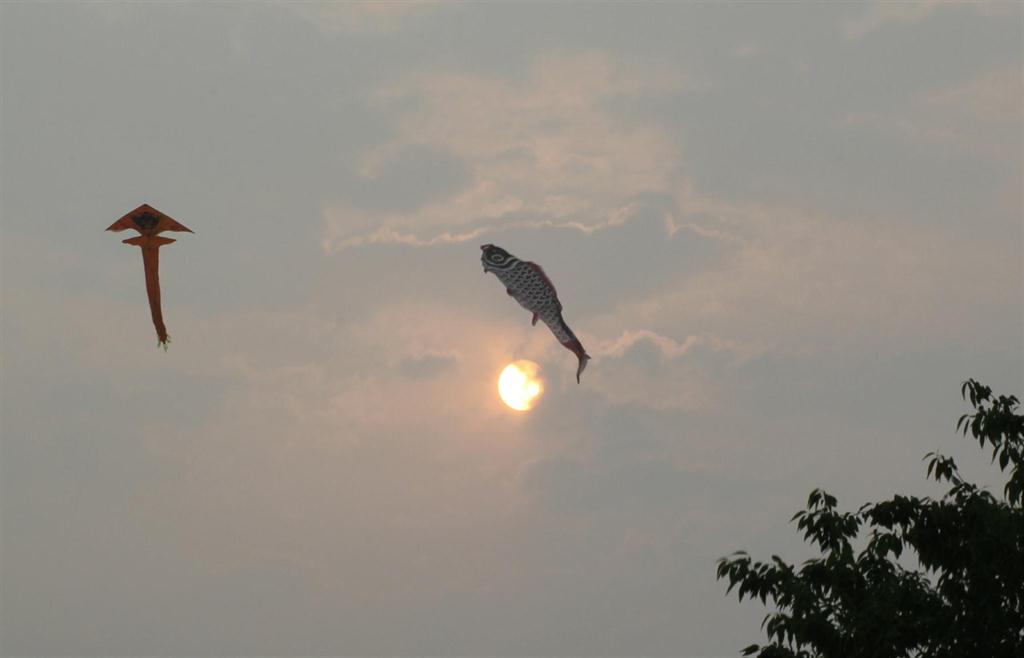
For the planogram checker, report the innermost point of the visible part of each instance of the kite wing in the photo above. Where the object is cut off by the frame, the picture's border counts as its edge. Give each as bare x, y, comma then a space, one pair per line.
147, 220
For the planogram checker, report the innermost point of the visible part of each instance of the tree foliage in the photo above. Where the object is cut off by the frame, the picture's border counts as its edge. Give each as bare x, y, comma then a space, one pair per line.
965, 598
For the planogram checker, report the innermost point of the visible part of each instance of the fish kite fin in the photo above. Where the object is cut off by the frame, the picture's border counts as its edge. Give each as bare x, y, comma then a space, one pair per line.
534, 321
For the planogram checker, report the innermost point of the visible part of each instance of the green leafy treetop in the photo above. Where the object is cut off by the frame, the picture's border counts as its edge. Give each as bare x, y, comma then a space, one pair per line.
965, 600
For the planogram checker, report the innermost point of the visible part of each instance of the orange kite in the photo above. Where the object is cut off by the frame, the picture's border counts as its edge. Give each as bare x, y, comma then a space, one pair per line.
149, 221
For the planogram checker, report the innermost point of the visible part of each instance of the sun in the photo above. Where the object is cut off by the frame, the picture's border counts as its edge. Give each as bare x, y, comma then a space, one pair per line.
519, 386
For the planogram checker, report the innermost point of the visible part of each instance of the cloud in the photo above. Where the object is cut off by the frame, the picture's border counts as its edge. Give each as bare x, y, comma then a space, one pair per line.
428, 364
646, 370
991, 96
972, 116
793, 282
359, 17
668, 347
549, 148
114, 13
880, 13
321, 458
388, 235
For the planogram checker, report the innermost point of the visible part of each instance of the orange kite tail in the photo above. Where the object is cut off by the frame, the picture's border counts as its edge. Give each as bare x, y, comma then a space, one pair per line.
150, 245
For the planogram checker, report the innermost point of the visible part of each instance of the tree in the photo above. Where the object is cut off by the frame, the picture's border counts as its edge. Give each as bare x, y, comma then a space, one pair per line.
964, 599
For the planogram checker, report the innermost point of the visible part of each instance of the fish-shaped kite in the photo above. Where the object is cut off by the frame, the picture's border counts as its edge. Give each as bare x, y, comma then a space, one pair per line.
149, 221
527, 283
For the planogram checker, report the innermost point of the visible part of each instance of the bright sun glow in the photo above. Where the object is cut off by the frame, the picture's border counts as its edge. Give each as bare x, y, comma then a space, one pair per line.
519, 385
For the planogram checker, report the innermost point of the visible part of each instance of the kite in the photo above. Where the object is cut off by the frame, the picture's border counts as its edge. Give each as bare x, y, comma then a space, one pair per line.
149, 221
527, 283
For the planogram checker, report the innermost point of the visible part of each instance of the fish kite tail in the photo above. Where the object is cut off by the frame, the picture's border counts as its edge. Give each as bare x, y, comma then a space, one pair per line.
574, 346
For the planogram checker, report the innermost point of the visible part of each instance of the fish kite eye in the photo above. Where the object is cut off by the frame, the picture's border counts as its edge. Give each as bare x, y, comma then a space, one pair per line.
495, 255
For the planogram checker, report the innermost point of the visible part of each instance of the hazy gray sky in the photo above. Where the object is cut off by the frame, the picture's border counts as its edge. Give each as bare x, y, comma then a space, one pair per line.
785, 232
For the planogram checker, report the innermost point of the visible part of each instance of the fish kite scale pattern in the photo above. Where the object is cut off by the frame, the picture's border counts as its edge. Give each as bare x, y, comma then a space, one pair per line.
532, 290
